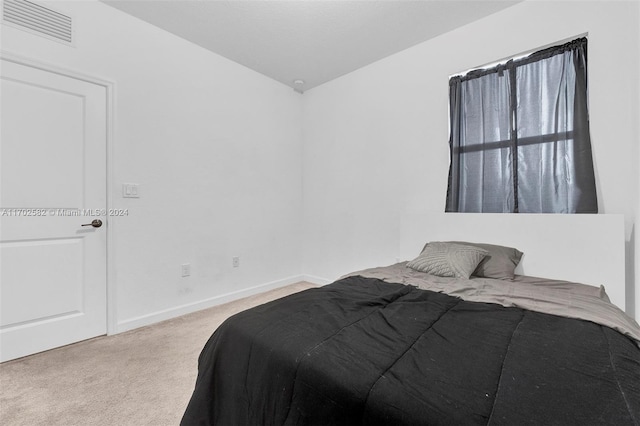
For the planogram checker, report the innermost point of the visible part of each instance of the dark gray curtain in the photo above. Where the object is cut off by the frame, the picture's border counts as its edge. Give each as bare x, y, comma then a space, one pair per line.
520, 136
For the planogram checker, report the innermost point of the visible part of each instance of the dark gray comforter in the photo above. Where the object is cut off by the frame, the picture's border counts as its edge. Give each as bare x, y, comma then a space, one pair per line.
365, 351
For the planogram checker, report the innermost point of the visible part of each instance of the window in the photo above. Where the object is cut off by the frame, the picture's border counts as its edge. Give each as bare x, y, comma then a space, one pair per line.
519, 136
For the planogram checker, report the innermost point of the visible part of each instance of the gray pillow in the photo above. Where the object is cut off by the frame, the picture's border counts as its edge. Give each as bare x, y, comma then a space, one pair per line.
448, 259
500, 262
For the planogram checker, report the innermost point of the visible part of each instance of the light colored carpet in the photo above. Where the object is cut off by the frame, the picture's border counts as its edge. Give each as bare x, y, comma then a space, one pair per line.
141, 377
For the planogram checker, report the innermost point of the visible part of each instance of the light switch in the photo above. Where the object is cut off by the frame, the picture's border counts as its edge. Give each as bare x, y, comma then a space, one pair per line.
130, 190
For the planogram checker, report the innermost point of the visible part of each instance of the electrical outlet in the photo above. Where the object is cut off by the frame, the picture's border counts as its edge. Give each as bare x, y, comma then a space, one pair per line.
235, 261
185, 268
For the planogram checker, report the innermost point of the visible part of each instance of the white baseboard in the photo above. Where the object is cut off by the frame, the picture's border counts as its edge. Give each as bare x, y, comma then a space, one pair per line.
316, 280
152, 318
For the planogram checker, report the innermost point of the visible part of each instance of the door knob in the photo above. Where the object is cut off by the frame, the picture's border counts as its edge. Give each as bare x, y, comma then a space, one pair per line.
96, 223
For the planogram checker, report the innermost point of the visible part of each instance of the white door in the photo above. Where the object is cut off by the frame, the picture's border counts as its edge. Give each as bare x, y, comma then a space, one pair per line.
52, 181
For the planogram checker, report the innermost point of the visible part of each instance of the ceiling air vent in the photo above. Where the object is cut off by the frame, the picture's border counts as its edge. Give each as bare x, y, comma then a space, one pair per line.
38, 19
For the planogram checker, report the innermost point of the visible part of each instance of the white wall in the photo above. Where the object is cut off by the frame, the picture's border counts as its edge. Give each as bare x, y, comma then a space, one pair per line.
376, 140
635, 272
215, 148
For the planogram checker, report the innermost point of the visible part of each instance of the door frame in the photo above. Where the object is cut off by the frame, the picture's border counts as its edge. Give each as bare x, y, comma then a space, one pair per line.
110, 90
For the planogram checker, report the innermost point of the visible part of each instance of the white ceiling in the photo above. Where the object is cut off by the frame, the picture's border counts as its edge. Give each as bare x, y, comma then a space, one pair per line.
311, 40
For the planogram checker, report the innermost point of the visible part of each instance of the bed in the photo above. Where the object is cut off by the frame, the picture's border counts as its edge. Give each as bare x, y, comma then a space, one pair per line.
409, 344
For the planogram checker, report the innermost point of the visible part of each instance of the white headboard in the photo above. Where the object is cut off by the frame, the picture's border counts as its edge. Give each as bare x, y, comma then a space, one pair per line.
585, 248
